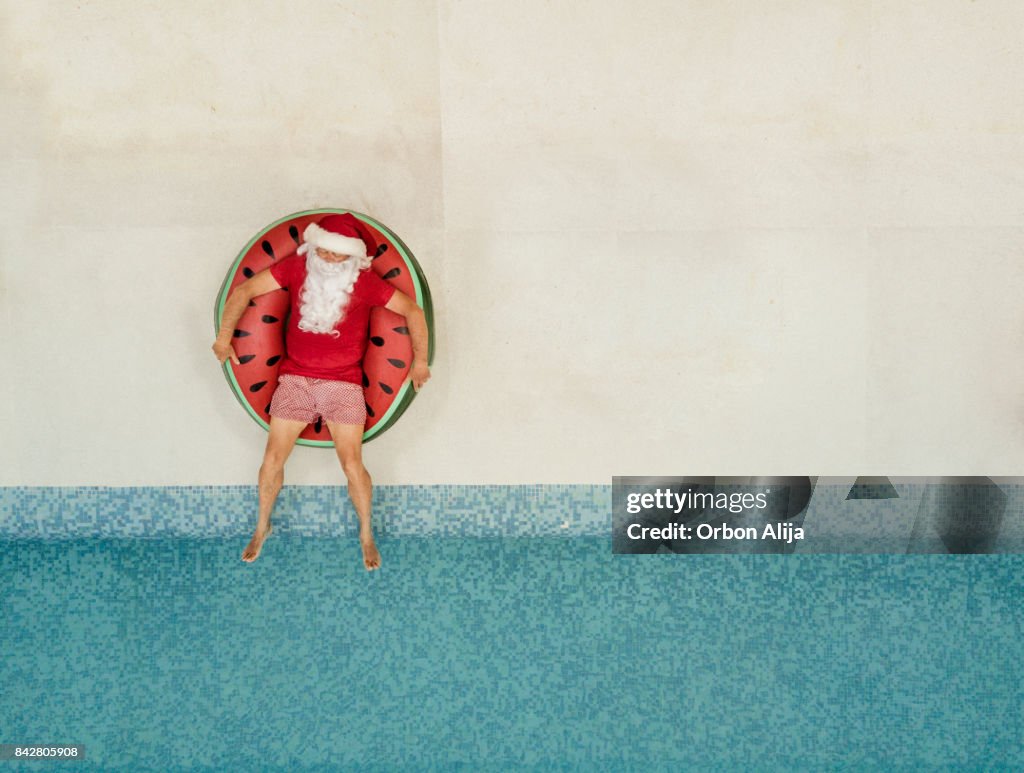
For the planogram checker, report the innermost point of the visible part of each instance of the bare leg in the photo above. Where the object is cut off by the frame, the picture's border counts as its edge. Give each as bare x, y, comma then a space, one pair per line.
348, 442
281, 441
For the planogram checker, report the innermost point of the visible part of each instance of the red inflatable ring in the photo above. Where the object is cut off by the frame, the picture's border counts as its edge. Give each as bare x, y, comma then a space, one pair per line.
259, 336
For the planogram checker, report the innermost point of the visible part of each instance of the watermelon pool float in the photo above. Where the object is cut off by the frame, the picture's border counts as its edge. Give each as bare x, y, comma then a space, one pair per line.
259, 336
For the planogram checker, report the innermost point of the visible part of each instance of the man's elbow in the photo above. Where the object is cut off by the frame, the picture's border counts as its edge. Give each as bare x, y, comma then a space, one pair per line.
237, 296
409, 309
244, 292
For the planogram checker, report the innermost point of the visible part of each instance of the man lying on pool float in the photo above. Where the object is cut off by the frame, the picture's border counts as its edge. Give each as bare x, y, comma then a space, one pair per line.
332, 291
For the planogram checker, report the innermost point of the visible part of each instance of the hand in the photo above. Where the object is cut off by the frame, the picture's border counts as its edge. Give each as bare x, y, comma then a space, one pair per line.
224, 350
419, 373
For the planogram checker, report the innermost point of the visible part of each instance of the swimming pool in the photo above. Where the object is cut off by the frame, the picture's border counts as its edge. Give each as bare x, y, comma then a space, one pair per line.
511, 652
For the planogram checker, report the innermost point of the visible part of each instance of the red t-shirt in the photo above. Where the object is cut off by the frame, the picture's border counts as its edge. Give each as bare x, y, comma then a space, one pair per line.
321, 355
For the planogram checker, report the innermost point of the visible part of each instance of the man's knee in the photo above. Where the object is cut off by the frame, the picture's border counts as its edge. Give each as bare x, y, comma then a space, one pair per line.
273, 460
271, 477
273, 463
280, 443
353, 466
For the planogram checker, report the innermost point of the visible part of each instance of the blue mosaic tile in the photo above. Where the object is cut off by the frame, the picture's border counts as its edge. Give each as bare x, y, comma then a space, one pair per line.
923, 518
209, 511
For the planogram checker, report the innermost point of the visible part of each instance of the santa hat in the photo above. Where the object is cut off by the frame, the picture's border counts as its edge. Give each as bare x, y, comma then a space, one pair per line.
343, 234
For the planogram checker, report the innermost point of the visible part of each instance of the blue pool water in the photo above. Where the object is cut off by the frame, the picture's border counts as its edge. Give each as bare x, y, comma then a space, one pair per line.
507, 653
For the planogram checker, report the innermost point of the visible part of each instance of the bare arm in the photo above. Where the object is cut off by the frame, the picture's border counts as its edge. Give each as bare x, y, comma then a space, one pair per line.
234, 308
401, 303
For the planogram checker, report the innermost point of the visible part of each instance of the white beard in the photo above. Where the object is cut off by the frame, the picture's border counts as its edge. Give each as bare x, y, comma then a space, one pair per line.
326, 292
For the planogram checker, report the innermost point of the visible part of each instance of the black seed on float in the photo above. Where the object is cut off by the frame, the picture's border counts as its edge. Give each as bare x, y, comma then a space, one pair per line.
403, 330
381, 249
392, 273
268, 249
248, 272
273, 360
242, 333
396, 363
244, 358
268, 318
385, 388
369, 411
294, 233
257, 386
267, 409
252, 303
366, 381
376, 340
319, 424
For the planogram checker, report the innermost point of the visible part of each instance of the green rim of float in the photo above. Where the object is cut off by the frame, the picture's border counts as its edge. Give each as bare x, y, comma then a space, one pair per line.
406, 393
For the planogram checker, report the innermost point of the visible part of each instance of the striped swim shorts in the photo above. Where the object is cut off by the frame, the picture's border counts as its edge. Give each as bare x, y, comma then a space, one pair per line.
301, 398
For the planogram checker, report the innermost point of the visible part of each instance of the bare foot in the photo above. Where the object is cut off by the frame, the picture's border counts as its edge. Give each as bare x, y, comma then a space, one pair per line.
371, 556
252, 550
